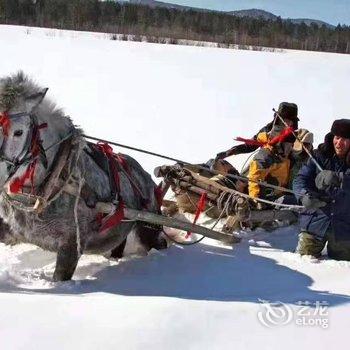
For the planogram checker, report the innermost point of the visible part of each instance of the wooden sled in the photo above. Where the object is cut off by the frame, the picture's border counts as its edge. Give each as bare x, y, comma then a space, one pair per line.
189, 184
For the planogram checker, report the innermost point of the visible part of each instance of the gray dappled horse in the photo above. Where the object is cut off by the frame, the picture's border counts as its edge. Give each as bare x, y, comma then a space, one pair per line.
45, 160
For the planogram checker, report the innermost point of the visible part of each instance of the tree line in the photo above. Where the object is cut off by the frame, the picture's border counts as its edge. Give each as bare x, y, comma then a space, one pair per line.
124, 18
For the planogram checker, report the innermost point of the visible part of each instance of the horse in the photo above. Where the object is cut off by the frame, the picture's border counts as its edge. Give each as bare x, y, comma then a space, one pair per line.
52, 182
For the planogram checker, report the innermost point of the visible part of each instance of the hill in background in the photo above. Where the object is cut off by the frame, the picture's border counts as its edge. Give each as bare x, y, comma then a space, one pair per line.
252, 13
155, 20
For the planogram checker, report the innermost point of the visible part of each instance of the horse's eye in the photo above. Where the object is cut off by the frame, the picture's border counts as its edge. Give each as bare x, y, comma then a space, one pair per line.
18, 133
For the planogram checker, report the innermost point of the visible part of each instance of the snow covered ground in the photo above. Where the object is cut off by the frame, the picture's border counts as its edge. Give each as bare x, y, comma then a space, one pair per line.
188, 103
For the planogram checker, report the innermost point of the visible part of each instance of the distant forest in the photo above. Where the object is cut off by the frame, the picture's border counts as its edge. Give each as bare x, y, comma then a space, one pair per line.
222, 28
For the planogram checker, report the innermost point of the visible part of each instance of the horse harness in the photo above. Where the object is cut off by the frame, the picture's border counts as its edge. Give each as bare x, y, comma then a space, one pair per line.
58, 180
31, 153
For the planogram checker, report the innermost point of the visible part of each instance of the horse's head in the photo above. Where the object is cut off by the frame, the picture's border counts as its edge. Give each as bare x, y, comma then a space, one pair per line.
23, 115
18, 101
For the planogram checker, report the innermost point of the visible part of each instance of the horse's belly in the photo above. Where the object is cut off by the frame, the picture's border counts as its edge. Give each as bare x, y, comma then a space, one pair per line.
104, 242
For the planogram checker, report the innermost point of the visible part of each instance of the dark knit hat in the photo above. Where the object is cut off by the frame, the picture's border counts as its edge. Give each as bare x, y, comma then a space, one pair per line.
341, 127
288, 111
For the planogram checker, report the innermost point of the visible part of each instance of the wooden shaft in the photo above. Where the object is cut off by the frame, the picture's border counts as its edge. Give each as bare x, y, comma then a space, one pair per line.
146, 216
178, 224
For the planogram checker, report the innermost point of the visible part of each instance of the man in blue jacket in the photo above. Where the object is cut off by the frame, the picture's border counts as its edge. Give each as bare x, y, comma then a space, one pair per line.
326, 196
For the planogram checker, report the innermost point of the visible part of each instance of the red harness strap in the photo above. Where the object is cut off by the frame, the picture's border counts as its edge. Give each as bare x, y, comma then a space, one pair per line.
122, 161
200, 208
250, 142
284, 134
5, 123
107, 150
111, 220
18, 183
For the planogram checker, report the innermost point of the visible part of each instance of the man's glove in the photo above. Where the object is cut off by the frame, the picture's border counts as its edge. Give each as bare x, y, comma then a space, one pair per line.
327, 179
312, 202
261, 206
221, 155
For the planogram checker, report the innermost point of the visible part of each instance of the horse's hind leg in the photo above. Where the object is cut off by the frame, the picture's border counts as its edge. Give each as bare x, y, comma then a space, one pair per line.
66, 262
150, 236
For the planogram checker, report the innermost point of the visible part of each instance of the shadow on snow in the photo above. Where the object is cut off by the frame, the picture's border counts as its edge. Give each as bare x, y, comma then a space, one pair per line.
200, 272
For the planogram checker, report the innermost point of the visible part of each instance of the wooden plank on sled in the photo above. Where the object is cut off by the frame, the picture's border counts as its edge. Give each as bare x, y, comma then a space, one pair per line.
268, 215
211, 184
167, 203
274, 214
146, 216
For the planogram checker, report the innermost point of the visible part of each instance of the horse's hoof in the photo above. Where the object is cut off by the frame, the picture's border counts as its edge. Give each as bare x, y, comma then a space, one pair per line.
161, 244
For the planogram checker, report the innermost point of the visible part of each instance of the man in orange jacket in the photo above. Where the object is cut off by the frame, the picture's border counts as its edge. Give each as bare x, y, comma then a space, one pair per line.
271, 163
287, 111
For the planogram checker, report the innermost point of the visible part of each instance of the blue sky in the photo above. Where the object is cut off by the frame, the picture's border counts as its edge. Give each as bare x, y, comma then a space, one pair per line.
333, 12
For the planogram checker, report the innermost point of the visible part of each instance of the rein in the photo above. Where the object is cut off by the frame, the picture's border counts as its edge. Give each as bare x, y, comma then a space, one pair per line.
182, 162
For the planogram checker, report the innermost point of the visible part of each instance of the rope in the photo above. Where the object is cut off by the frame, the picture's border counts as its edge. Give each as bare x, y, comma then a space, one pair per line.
17, 204
244, 168
289, 206
223, 210
135, 149
76, 218
183, 243
69, 177
236, 177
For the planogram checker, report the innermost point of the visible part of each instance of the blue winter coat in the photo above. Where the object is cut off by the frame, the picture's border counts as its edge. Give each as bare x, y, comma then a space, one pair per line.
336, 214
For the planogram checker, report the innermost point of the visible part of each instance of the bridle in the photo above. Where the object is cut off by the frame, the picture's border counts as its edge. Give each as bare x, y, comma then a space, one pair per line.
32, 149
33, 152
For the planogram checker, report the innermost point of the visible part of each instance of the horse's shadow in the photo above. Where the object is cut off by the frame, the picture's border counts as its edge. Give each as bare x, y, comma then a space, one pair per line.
201, 272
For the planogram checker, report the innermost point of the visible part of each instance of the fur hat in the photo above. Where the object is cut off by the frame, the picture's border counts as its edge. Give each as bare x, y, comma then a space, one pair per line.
288, 110
305, 136
341, 127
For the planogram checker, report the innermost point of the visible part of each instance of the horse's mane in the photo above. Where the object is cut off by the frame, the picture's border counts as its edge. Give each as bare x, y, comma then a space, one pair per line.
10, 89
20, 85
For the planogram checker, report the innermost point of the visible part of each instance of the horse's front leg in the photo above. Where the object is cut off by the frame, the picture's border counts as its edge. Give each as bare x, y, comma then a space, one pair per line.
66, 262
4, 230
6, 235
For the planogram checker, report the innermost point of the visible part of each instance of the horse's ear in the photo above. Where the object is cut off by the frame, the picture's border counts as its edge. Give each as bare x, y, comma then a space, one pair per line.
33, 101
